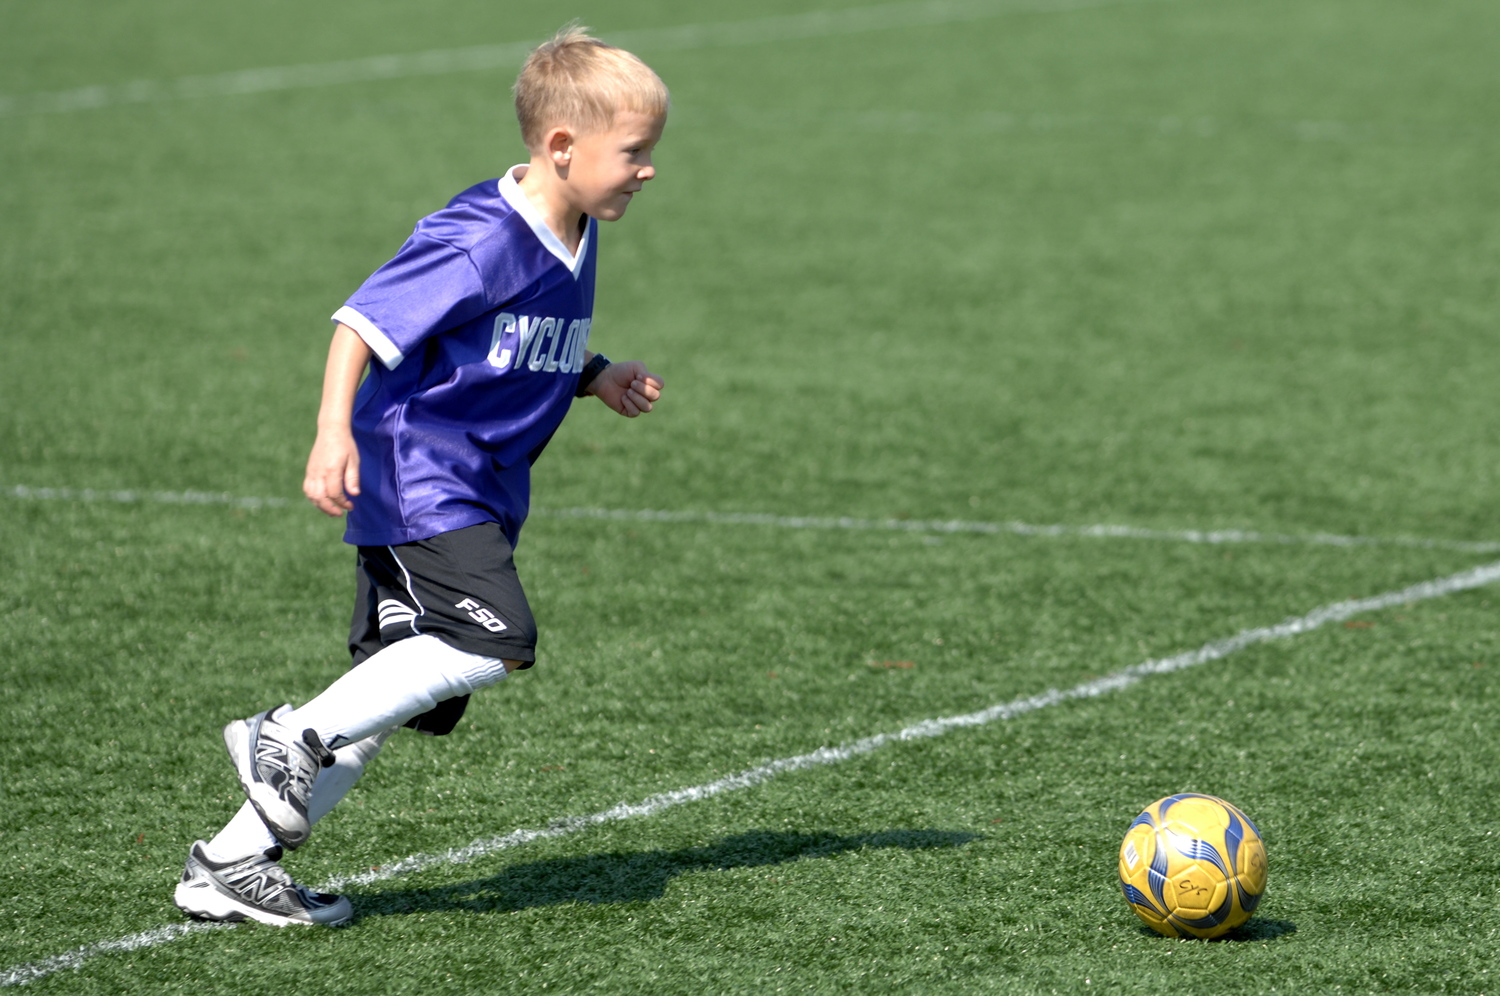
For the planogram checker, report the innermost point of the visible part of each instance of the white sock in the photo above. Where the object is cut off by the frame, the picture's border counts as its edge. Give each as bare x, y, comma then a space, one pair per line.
401, 682
348, 764
245, 833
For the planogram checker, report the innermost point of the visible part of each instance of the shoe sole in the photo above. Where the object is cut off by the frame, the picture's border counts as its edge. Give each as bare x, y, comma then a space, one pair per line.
239, 737
204, 902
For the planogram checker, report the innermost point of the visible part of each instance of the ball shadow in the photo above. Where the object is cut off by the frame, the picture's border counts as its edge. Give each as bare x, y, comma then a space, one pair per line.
1260, 929
1255, 929
639, 876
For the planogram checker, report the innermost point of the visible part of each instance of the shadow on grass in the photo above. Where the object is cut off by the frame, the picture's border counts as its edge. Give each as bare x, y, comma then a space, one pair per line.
1256, 929
1260, 929
643, 875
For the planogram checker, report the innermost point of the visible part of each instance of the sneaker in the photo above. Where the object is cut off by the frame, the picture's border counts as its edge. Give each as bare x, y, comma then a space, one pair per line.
277, 769
253, 888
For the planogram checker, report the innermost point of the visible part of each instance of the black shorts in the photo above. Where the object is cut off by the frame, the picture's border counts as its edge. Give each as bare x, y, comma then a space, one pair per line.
460, 587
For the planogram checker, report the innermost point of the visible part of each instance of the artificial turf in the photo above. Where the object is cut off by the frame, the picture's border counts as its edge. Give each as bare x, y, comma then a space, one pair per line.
1178, 265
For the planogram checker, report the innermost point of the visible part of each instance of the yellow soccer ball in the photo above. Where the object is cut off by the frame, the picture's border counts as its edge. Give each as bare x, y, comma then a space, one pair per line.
1192, 866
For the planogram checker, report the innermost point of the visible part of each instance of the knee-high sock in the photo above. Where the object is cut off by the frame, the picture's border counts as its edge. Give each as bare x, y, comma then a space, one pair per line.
348, 764
401, 682
246, 834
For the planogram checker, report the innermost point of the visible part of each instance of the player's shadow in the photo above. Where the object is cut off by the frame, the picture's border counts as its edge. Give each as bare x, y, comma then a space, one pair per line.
639, 876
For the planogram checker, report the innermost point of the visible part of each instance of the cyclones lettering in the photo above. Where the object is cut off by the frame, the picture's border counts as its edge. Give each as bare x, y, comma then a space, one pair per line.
543, 344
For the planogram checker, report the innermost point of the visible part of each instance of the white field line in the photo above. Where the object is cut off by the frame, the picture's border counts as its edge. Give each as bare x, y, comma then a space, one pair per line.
751, 777
842, 522
1007, 122
1217, 536
814, 24
30, 972
131, 497
1124, 678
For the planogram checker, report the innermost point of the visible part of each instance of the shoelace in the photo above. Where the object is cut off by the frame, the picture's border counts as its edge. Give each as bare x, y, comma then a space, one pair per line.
318, 747
291, 772
258, 865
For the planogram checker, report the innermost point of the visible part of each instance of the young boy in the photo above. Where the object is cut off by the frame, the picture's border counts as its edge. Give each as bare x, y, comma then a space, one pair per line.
478, 330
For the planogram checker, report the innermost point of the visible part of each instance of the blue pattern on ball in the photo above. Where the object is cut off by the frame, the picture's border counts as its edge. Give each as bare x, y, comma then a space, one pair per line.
1213, 919
1234, 835
1199, 850
1136, 896
1173, 800
1156, 875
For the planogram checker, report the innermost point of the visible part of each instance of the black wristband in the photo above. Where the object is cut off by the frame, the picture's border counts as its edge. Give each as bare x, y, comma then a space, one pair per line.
592, 369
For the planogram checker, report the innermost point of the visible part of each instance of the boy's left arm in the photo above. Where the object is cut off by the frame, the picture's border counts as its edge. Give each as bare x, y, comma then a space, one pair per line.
629, 388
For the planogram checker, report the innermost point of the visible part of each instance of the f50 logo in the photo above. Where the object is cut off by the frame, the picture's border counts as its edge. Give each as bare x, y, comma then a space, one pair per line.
481, 615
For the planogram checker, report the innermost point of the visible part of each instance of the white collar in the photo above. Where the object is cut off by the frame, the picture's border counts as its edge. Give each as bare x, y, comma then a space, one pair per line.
516, 198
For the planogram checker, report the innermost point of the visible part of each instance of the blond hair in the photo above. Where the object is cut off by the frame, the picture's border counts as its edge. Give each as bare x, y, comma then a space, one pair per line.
578, 81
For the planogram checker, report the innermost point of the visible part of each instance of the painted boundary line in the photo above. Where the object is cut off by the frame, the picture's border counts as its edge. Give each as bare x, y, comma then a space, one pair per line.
435, 62
22, 974
1335, 612
1018, 528
1201, 126
844, 522
128, 497
1125, 678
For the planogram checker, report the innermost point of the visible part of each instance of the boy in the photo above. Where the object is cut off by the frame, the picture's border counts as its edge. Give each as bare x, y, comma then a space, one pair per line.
474, 337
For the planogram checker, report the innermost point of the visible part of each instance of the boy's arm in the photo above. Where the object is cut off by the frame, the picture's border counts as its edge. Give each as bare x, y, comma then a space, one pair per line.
629, 388
332, 478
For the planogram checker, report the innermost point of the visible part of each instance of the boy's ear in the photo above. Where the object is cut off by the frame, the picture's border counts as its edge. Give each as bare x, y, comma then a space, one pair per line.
558, 144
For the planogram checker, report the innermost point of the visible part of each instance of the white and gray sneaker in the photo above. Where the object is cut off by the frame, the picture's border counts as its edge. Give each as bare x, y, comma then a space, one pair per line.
253, 888
277, 769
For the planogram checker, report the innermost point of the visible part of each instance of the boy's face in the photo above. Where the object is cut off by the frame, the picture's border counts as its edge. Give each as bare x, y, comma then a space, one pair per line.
606, 168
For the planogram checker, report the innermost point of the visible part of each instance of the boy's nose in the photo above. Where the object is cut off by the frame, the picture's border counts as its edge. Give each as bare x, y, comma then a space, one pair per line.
646, 173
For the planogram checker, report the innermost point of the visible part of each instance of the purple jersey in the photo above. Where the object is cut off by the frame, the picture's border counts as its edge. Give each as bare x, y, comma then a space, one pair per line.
479, 325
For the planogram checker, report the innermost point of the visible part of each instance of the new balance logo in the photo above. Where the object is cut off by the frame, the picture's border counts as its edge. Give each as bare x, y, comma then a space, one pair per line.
259, 888
481, 615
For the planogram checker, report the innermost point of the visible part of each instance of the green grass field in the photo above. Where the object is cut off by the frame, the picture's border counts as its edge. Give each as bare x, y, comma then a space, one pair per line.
1172, 265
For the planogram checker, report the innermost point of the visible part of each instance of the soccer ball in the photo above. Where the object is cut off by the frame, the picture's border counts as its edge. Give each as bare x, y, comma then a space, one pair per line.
1192, 866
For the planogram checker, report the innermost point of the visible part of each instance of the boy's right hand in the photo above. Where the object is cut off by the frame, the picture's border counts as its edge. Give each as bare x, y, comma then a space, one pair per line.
332, 479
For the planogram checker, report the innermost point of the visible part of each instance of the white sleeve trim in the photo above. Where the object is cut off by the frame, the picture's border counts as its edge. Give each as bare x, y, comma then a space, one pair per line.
371, 334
